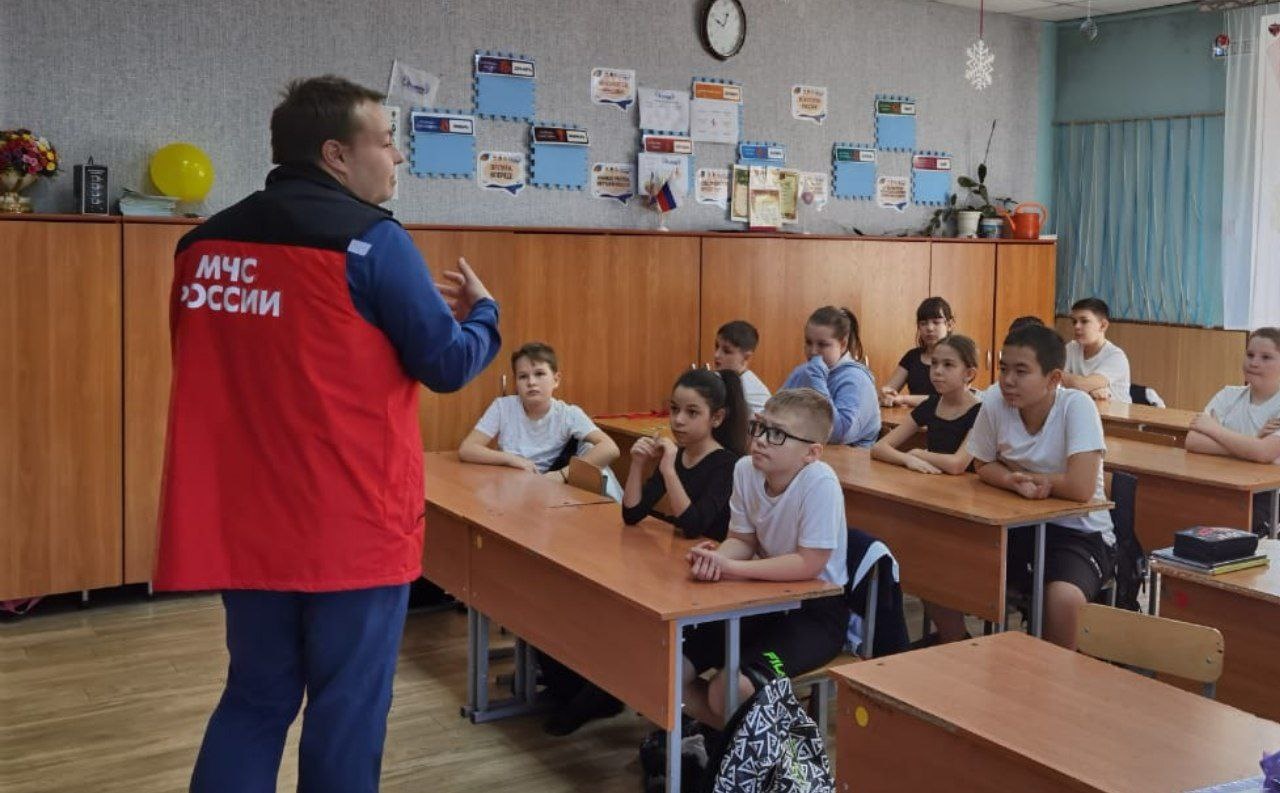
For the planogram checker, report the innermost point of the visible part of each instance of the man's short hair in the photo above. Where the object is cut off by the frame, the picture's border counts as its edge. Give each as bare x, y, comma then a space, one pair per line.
1049, 348
811, 409
1097, 306
740, 334
313, 111
536, 352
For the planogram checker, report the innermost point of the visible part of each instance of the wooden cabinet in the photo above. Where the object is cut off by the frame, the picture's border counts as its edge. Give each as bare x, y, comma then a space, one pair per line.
776, 284
1025, 277
60, 407
147, 276
964, 273
84, 309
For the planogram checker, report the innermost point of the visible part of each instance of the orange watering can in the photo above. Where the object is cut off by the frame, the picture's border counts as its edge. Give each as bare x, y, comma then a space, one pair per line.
1025, 220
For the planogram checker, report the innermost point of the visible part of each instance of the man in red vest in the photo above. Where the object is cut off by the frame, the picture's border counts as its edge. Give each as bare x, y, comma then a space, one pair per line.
302, 320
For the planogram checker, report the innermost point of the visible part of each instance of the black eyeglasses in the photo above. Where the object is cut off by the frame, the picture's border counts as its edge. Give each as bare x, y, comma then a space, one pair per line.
775, 436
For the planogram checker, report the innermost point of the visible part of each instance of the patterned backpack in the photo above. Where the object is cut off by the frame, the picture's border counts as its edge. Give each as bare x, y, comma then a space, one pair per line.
771, 746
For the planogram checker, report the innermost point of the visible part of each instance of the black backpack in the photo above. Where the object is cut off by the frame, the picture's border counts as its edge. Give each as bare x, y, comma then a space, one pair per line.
1131, 559
771, 745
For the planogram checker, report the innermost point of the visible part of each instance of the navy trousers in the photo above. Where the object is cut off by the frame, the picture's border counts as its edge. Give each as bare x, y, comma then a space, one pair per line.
340, 649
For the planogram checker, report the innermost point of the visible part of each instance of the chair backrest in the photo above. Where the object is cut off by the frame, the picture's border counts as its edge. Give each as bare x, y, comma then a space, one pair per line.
1144, 395
585, 476
1158, 644
1146, 436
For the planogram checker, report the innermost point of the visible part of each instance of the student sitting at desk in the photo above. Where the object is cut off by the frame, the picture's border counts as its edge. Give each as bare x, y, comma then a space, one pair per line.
787, 524
1038, 440
695, 470
1095, 365
934, 321
533, 428
736, 342
836, 370
1244, 421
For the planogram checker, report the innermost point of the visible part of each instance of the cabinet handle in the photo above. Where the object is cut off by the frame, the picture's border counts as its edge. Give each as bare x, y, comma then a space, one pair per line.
988, 359
504, 385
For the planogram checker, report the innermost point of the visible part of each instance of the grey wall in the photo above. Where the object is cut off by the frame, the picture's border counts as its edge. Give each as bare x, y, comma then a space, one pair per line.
116, 80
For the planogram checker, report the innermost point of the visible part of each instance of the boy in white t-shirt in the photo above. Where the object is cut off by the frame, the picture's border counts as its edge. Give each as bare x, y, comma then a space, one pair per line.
532, 427
1244, 421
736, 342
1039, 440
1095, 365
786, 524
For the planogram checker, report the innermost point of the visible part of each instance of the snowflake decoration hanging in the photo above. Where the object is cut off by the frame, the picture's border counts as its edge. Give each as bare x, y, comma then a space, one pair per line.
980, 67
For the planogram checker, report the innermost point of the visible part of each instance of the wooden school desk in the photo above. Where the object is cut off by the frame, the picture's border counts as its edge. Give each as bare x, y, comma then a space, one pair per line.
1245, 607
1145, 418
948, 533
566, 575
1009, 712
1177, 488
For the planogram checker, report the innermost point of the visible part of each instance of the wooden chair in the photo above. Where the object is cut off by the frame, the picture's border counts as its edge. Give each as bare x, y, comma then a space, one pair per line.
1145, 436
1151, 644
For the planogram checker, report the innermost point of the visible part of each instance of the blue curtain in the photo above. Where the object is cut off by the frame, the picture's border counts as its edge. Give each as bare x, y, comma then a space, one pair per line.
1138, 209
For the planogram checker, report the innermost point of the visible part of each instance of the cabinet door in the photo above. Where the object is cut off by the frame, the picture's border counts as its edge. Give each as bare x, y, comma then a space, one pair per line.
447, 418
148, 274
964, 273
1025, 278
620, 310
59, 407
776, 284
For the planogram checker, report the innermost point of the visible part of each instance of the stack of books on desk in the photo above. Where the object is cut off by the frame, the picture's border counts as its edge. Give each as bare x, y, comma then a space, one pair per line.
1212, 550
143, 205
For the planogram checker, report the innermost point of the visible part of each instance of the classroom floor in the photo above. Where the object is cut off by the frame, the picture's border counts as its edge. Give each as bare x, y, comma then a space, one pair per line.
113, 698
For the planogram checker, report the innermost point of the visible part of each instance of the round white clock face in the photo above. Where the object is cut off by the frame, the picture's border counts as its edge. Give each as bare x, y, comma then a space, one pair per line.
726, 27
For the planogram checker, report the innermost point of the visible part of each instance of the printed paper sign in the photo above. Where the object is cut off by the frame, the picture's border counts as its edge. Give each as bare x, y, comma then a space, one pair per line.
718, 91
655, 169
714, 120
666, 111
814, 189
713, 186
614, 87
740, 203
809, 103
891, 192
501, 170
393, 116
616, 180
411, 86
667, 144
507, 67
443, 124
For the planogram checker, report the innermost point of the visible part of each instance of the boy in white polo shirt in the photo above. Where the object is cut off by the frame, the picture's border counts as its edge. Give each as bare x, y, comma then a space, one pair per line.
1039, 440
786, 524
1095, 365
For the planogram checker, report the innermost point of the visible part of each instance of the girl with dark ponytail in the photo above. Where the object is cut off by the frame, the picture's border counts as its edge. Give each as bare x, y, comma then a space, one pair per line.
695, 463
835, 369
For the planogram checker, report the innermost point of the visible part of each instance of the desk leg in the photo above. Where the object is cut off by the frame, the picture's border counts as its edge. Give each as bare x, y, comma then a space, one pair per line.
1153, 604
525, 700
732, 665
675, 735
480, 666
473, 655
1275, 514
1037, 585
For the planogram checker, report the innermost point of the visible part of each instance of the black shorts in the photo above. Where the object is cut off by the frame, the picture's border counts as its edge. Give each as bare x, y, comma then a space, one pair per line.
792, 642
1078, 557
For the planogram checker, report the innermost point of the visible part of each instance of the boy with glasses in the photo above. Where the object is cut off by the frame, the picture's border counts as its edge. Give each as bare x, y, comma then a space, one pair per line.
786, 524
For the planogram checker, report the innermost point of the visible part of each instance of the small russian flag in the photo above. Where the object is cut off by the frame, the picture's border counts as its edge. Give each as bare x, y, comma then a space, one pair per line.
664, 198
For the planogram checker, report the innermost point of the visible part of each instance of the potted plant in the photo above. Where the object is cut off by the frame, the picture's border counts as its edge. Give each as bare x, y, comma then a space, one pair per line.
23, 159
978, 203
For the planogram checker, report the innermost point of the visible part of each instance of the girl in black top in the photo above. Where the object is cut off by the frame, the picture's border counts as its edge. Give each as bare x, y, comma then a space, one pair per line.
934, 321
947, 416
694, 465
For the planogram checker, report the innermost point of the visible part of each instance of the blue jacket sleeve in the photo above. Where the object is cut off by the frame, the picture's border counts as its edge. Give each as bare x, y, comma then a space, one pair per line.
853, 396
392, 289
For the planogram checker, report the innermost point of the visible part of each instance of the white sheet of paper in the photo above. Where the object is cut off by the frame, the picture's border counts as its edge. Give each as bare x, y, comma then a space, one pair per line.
713, 120
814, 189
891, 192
654, 169
393, 115
664, 110
411, 86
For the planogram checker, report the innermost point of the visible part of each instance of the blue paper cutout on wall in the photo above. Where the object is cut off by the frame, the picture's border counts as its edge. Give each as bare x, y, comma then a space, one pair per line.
895, 122
504, 85
558, 156
930, 178
853, 171
443, 143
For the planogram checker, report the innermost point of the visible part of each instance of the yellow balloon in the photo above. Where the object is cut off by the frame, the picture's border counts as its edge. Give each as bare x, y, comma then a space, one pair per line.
183, 171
